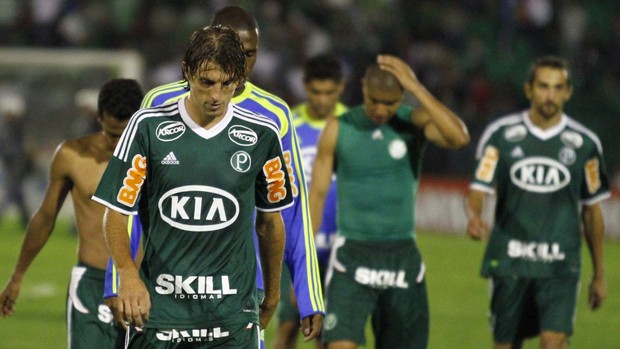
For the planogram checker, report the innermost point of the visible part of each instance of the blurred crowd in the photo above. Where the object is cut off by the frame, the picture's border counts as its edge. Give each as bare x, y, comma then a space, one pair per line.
472, 54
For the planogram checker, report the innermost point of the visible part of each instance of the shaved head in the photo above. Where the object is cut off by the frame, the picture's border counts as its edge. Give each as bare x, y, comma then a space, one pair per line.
377, 78
382, 94
241, 21
235, 17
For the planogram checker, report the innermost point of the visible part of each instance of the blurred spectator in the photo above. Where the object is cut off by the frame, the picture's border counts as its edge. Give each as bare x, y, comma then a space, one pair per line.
507, 15
85, 121
16, 161
460, 48
44, 17
573, 24
535, 22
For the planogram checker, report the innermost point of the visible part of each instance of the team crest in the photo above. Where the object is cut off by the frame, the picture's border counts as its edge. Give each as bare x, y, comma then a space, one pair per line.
241, 161
330, 322
397, 149
567, 156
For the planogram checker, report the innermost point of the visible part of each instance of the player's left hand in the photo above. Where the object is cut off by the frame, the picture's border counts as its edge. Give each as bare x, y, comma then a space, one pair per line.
267, 309
311, 326
598, 293
401, 70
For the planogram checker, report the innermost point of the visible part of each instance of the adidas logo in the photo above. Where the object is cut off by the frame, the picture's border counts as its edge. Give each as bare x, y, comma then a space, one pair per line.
377, 135
170, 159
517, 152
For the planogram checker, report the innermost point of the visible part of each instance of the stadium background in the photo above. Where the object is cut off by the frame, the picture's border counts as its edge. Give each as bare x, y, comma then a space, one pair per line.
472, 54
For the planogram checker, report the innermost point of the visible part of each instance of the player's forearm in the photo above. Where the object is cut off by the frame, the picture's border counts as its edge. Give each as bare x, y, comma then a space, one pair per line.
37, 233
316, 201
321, 181
117, 241
594, 231
474, 203
448, 124
271, 240
308, 289
301, 259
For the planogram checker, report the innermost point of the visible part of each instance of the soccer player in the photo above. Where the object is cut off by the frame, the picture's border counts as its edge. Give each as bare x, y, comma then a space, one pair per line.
300, 253
77, 166
323, 83
198, 168
376, 150
549, 176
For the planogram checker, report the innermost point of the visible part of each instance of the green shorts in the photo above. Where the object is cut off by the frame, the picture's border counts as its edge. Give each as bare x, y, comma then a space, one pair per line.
287, 311
89, 319
523, 307
226, 337
381, 280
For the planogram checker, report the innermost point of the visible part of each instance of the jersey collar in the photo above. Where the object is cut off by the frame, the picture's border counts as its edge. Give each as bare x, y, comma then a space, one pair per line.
544, 134
201, 131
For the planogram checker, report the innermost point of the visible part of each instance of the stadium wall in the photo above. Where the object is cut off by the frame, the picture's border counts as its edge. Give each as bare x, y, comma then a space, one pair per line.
440, 208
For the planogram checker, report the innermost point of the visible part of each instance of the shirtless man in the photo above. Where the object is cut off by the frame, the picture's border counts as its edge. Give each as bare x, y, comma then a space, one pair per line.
76, 168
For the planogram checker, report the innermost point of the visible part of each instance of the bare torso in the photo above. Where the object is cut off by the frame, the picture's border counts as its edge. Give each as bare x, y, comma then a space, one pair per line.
83, 162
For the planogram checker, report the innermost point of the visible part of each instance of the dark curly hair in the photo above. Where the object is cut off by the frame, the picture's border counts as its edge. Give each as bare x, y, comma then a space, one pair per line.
120, 98
216, 44
553, 62
323, 67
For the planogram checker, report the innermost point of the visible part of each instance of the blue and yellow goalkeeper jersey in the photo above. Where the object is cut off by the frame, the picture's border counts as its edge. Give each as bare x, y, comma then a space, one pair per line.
308, 130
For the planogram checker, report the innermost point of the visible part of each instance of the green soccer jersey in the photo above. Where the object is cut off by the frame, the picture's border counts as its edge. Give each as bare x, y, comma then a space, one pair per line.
197, 190
378, 168
541, 178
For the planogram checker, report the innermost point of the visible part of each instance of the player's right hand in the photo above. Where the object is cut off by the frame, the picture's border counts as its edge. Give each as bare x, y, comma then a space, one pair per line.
8, 298
134, 300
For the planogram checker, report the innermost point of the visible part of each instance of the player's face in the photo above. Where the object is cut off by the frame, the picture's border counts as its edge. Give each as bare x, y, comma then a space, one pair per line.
112, 126
549, 91
249, 40
381, 105
322, 97
211, 91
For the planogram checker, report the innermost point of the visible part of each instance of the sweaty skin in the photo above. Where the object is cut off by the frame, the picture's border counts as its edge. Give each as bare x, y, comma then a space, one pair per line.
77, 166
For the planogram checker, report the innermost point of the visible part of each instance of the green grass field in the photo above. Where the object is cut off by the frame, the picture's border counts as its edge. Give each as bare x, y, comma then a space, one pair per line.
458, 297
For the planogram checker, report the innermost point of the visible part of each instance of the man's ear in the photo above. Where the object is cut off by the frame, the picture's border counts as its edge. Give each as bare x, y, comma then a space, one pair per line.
340, 86
569, 94
184, 70
527, 90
